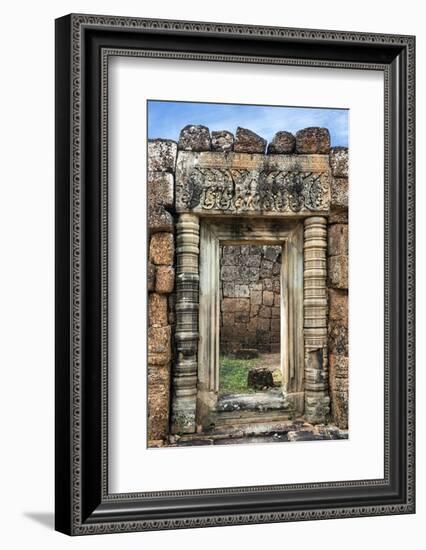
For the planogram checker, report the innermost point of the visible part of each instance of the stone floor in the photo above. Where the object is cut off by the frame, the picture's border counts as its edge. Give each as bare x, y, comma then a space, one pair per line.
297, 430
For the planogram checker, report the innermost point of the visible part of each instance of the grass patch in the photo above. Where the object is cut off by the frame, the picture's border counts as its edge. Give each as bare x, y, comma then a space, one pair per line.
233, 375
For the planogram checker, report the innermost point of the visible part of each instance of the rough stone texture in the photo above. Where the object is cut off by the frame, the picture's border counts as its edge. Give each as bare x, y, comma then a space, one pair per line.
338, 343
250, 291
260, 379
161, 249
165, 279
339, 193
159, 345
158, 401
247, 141
157, 310
151, 276
338, 239
338, 306
160, 220
339, 161
313, 140
194, 137
160, 189
338, 271
161, 155
338, 215
282, 143
339, 393
222, 141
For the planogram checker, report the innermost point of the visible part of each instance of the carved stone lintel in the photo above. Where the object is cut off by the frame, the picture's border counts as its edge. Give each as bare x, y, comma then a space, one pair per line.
186, 335
211, 183
317, 401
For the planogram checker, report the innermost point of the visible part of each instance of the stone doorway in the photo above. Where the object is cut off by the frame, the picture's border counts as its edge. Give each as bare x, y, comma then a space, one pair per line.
250, 323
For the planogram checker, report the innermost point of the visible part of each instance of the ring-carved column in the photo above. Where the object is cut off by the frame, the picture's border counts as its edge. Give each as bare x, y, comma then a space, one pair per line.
186, 335
317, 401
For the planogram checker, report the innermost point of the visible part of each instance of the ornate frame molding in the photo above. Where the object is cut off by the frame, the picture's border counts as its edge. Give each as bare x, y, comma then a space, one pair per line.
83, 44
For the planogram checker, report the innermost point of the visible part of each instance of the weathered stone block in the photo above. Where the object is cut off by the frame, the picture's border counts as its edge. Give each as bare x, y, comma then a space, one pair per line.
165, 279
253, 261
276, 285
242, 291
247, 141
338, 344
338, 368
313, 140
161, 155
160, 189
268, 284
339, 193
260, 379
151, 276
256, 297
254, 309
338, 215
268, 298
194, 137
157, 310
242, 317
272, 253
228, 318
338, 242
282, 143
338, 271
277, 300
266, 268
158, 401
222, 141
276, 311
339, 161
275, 325
159, 347
265, 312
160, 220
236, 304
338, 305
161, 249
263, 325
340, 408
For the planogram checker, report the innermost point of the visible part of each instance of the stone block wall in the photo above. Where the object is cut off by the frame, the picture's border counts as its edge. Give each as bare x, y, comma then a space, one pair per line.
337, 260
250, 298
161, 284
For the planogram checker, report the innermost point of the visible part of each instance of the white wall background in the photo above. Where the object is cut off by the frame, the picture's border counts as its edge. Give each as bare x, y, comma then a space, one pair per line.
27, 244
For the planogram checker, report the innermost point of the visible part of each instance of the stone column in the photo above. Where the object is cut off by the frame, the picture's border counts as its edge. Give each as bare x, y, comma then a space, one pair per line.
187, 283
317, 401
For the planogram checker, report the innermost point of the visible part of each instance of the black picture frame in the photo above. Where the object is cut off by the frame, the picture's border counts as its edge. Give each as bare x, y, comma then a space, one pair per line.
83, 504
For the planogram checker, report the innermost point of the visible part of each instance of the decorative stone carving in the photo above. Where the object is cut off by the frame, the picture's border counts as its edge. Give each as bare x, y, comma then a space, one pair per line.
186, 335
317, 401
209, 183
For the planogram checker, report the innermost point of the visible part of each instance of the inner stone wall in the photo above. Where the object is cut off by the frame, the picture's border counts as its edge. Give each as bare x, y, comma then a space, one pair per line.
250, 298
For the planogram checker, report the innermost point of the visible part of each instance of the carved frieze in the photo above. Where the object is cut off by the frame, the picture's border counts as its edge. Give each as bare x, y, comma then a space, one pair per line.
250, 184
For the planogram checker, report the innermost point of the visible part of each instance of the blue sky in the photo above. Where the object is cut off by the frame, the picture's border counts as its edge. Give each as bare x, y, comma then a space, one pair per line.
167, 118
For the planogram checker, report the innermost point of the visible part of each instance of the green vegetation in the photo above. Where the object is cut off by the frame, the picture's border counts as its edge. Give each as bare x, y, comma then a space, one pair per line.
233, 375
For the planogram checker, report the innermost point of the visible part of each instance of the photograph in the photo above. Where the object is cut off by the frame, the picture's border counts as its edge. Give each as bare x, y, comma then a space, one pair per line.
247, 273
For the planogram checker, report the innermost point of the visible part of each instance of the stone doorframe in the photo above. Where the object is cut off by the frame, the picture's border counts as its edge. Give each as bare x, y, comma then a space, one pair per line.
303, 312
288, 234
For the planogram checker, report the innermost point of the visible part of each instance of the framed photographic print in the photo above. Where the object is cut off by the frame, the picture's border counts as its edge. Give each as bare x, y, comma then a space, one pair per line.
234, 274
